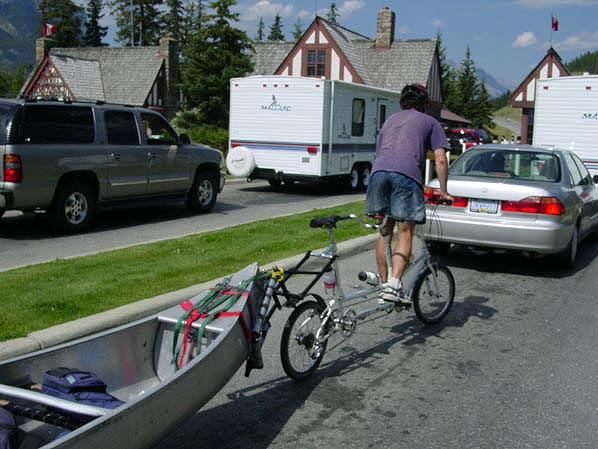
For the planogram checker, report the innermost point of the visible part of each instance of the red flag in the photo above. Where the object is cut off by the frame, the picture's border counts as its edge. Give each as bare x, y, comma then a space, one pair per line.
49, 29
555, 23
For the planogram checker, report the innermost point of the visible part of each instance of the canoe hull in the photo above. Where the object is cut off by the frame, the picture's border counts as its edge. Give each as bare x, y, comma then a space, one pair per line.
136, 362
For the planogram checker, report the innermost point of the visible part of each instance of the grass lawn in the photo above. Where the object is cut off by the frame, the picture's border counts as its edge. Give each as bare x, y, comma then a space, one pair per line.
43, 295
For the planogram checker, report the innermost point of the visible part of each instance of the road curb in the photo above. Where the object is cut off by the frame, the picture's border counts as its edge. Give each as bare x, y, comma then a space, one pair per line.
82, 327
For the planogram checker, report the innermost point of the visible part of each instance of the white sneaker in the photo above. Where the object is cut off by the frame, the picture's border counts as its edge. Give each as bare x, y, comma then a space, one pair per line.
396, 295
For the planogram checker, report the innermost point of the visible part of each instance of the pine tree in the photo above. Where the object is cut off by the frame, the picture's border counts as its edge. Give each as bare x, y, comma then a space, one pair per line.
587, 62
332, 13
191, 20
3, 83
146, 18
482, 111
174, 18
215, 54
276, 30
94, 33
67, 17
260, 30
298, 30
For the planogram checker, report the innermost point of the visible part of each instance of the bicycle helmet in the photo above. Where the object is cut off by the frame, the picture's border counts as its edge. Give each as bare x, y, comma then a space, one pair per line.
414, 92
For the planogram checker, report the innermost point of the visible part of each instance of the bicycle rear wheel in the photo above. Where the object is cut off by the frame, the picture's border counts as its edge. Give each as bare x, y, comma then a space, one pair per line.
300, 353
433, 294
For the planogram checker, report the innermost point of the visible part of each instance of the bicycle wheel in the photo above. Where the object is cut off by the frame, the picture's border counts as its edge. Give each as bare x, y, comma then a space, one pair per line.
300, 354
433, 294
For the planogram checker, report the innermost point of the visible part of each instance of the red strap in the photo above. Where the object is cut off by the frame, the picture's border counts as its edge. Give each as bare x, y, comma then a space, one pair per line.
193, 316
241, 319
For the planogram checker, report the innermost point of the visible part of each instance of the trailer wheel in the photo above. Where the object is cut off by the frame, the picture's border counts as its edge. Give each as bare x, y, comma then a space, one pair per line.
355, 178
366, 171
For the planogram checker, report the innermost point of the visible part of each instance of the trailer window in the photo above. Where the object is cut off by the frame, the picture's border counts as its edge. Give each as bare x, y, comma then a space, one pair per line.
357, 120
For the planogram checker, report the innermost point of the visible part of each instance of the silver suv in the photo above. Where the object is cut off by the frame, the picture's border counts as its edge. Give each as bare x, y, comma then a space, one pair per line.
68, 159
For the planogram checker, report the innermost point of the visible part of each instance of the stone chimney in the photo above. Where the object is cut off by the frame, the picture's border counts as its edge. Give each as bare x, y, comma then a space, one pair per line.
385, 28
169, 50
42, 48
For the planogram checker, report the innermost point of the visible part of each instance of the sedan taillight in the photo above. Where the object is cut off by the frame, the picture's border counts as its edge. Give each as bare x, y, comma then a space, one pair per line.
432, 196
12, 168
547, 205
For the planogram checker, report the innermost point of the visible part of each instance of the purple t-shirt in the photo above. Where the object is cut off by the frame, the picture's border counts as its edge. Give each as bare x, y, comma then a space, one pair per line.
404, 140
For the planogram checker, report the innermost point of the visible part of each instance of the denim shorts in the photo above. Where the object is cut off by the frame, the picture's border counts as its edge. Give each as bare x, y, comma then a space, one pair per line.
395, 195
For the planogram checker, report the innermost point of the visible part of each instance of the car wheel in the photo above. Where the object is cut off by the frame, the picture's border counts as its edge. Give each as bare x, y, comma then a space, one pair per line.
567, 258
202, 196
74, 207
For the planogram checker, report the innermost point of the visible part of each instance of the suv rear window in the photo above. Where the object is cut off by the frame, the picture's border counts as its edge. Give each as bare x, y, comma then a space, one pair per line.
5, 113
42, 124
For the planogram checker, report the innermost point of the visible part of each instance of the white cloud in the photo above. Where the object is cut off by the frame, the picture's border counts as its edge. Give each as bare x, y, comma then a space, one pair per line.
582, 41
526, 39
554, 3
350, 6
437, 24
266, 9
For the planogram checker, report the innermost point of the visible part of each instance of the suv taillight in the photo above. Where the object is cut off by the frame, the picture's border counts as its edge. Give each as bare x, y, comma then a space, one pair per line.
12, 168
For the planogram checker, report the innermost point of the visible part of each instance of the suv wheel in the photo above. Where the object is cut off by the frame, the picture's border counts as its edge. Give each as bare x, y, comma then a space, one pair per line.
202, 196
74, 207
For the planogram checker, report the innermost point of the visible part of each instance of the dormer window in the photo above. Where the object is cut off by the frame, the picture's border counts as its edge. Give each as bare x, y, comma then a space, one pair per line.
316, 62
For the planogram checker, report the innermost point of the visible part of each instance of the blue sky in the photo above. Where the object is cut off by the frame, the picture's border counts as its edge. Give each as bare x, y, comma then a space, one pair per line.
507, 38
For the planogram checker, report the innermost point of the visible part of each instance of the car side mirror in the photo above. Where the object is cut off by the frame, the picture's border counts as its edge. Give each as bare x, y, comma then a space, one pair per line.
184, 139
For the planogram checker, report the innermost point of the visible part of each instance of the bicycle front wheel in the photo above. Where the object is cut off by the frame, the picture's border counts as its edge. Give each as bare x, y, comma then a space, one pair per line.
300, 352
433, 294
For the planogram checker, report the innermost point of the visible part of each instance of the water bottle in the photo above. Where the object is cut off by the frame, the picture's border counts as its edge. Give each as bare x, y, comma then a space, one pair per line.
369, 277
329, 283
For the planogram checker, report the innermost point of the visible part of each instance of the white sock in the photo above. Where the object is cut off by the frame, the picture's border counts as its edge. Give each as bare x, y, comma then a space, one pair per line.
395, 283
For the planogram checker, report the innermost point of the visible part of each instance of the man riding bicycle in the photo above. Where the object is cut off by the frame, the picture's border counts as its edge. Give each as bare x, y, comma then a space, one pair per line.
396, 186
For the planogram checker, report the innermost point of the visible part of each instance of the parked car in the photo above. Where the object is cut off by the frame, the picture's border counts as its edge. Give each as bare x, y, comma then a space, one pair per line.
515, 197
462, 139
69, 158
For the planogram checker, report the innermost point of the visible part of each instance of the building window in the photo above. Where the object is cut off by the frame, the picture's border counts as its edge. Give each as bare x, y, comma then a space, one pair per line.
358, 116
316, 62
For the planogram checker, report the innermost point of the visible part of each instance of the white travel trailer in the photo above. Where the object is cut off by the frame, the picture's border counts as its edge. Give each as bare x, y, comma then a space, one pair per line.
286, 129
566, 116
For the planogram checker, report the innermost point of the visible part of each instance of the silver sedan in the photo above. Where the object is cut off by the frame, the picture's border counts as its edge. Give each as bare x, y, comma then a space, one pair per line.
515, 197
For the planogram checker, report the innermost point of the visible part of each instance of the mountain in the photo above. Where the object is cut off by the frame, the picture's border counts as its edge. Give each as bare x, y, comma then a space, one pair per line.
495, 87
19, 22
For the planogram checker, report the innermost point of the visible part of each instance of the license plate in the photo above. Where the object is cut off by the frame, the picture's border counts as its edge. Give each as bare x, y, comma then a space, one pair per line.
483, 206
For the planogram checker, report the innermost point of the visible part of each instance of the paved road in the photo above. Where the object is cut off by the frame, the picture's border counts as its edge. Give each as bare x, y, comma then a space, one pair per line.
513, 366
26, 240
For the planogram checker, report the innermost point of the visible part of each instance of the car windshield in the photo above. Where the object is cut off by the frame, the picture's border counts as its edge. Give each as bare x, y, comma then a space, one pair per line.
498, 163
